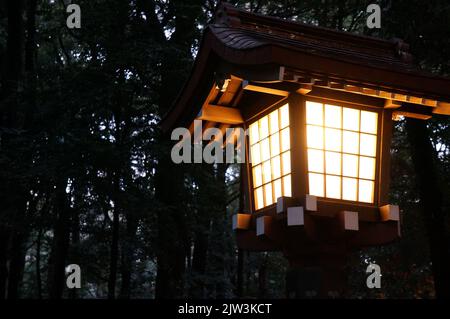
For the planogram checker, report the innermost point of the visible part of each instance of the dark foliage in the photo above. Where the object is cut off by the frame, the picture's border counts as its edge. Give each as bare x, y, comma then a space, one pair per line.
84, 175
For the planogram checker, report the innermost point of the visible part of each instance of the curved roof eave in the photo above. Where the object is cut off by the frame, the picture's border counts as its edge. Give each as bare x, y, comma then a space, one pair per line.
261, 52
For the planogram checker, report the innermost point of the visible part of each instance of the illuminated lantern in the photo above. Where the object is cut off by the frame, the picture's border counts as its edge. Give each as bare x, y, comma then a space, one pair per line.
318, 106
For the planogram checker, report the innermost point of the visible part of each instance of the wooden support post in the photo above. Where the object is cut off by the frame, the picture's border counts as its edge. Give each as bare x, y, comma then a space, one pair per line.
316, 275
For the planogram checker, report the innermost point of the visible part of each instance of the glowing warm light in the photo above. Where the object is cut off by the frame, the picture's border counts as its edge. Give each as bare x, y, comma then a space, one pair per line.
284, 116
333, 184
265, 150
349, 188
285, 140
314, 136
270, 156
350, 142
314, 113
267, 173
333, 163
263, 127
268, 194
350, 165
286, 162
277, 189
257, 176
275, 144
351, 119
315, 161
368, 145
333, 139
273, 120
369, 122
333, 116
366, 189
259, 198
276, 167
316, 184
254, 133
255, 154
341, 149
367, 167
287, 185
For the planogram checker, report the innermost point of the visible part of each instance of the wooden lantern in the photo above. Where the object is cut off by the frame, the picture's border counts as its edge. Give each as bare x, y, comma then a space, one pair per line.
318, 106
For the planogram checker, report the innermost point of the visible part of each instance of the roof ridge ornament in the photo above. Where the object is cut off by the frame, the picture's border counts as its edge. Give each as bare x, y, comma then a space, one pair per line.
226, 14
402, 50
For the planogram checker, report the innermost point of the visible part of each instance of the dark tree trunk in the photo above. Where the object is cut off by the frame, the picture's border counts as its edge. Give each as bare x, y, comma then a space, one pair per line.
127, 263
240, 274
221, 237
121, 134
4, 239
171, 239
17, 264
30, 57
113, 256
240, 253
14, 61
201, 229
199, 262
431, 200
9, 190
20, 232
38, 265
262, 278
60, 244
75, 247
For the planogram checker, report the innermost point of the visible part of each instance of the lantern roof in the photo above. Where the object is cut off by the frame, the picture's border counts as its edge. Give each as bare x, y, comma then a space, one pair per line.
240, 49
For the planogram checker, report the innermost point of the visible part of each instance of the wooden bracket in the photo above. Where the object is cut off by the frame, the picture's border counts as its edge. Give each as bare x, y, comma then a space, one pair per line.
305, 88
389, 212
391, 104
220, 114
263, 225
263, 89
241, 221
397, 114
349, 220
295, 216
284, 202
311, 203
